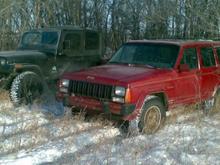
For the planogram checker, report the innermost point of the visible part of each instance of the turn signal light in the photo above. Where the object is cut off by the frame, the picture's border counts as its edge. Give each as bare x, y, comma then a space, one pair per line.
18, 66
128, 96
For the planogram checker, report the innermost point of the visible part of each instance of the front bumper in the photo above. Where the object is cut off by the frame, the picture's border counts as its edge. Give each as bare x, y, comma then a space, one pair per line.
102, 106
3, 81
6, 75
6, 80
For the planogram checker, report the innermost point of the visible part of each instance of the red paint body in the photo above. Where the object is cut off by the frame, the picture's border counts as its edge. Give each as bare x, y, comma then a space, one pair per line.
178, 87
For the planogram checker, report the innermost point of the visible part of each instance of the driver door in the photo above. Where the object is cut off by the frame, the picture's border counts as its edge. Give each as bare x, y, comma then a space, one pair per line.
187, 82
72, 47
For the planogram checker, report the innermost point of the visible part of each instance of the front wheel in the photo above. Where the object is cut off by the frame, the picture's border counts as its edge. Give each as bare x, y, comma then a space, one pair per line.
152, 116
26, 87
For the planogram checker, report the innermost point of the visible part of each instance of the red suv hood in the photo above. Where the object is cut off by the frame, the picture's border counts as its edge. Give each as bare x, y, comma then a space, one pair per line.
117, 74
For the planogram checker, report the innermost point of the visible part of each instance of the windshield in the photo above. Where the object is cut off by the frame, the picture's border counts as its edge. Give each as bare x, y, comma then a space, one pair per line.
150, 54
40, 38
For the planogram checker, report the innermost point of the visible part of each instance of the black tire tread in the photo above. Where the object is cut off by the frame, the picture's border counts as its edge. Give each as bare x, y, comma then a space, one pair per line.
16, 86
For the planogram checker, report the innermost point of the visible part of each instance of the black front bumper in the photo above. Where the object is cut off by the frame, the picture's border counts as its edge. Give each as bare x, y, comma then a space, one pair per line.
5, 81
106, 106
126, 109
6, 76
2, 81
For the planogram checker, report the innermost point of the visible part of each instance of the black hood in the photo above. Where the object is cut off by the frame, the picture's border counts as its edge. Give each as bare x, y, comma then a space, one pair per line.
23, 56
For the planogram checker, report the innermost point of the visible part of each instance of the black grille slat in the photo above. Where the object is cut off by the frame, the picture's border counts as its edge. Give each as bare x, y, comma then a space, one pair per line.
82, 88
101, 91
73, 86
78, 87
106, 94
94, 90
86, 88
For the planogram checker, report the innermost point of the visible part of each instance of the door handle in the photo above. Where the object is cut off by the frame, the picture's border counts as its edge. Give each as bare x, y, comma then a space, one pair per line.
198, 73
169, 87
217, 72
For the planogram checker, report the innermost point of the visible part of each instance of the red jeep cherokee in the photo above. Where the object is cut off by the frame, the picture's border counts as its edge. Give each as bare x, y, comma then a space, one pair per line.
144, 79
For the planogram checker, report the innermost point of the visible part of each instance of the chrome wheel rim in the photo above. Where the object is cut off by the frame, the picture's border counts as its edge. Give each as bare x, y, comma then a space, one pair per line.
152, 120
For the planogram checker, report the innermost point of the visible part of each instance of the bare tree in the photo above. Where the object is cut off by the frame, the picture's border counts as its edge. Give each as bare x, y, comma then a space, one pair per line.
118, 20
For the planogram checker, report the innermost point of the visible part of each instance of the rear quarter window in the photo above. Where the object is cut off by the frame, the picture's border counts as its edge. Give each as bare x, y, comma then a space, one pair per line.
92, 41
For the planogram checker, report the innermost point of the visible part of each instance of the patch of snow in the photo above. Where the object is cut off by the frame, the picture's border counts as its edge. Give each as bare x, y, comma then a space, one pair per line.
53, 150
31, 137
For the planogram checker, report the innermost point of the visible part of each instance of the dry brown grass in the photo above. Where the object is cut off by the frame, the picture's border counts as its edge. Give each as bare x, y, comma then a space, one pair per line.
41, 135
190, 112
4, 95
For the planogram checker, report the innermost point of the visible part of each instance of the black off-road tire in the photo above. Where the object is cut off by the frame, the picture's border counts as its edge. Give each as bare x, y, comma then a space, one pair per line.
26, 87
152, 116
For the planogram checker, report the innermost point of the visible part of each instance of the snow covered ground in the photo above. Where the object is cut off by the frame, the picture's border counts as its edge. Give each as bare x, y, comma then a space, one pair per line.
32, 137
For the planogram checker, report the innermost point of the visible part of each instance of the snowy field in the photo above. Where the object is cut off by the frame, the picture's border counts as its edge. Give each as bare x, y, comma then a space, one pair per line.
30, 136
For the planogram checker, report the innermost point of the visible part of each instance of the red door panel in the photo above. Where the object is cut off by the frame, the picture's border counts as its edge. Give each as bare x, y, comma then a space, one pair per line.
208, 78
187, 87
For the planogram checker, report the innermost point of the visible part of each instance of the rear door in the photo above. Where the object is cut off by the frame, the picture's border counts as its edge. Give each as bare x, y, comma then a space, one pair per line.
92, 47
209, 78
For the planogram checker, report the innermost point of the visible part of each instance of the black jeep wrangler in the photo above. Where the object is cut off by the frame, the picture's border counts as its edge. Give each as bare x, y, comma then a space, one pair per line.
44, 54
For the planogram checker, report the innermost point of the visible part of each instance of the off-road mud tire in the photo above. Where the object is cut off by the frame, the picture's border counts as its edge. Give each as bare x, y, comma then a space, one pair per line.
152, 116
26, 87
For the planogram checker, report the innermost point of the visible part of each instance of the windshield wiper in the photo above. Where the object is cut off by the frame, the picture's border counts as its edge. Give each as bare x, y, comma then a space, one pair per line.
113, 62
143, 65
150, 66
132, 64
117, 62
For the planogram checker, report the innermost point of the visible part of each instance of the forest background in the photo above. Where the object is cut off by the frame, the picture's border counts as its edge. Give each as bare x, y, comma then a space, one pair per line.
118, 20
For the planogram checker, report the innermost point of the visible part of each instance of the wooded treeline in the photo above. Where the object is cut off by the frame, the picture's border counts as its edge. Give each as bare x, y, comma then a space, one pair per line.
119, 20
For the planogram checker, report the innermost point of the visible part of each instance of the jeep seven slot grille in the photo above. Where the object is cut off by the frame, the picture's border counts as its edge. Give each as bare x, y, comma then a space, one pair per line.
80, 88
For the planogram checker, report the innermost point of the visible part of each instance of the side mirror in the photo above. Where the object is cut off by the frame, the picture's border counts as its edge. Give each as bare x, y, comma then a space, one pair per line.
66, 44
184, 68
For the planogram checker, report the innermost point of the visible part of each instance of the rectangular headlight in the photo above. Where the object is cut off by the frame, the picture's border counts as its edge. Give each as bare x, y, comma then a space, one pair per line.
65, 83
120, 91
3, 61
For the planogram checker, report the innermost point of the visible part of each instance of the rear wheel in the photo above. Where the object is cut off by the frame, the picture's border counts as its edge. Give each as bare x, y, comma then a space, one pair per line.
152, 116
217, 102
215, 106
26, 87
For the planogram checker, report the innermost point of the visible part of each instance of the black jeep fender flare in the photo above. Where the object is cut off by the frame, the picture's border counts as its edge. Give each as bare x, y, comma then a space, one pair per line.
28, 67
19, 68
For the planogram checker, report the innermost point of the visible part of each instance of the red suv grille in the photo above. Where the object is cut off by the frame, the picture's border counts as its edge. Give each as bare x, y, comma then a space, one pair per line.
80, 88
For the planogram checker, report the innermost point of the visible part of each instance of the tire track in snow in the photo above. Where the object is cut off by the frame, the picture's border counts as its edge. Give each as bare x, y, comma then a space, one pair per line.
55, 149
39, 135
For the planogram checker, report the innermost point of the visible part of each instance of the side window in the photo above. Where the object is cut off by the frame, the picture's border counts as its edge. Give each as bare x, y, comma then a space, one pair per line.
218, 53
72, 41
207, 57
92, 41
190, 58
